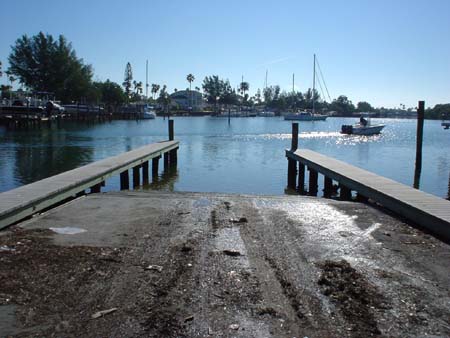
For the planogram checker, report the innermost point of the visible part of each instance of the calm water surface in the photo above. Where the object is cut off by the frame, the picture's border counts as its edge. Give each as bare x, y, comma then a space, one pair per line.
246, 156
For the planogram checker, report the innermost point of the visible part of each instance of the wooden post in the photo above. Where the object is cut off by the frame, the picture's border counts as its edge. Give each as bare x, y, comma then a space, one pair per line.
173, 157
155, 164
124, 180
171, 134
361, 198
448, 193
136, 178
301, 179
96, 188
313, 176
327, 187
345, 193
418, 168
145, 166
292, 164
292, 173
294, 141
166, 161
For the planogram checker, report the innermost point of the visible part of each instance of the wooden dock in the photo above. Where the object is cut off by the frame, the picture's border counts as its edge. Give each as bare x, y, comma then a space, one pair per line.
428, 211
27, 200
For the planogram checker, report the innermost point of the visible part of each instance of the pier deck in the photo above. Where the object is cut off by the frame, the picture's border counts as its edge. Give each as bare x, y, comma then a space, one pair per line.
24, 201
426, 210
182, 265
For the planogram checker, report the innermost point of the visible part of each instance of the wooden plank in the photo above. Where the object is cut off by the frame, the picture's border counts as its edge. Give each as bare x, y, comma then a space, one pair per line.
24, 201
426, 210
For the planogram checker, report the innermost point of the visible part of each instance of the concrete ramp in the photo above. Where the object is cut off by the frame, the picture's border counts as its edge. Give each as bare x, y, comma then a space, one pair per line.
153, 264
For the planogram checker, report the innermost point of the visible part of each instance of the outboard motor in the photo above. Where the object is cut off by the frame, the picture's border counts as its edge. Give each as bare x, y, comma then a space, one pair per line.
347, 129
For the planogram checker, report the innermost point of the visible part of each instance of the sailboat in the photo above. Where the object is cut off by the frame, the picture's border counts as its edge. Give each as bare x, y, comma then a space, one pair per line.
304, 115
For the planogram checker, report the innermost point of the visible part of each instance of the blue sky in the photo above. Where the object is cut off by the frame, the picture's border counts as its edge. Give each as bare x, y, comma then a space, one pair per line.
384, 52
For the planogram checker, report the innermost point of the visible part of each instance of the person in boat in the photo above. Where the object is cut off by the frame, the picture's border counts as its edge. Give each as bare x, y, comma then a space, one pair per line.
362, 121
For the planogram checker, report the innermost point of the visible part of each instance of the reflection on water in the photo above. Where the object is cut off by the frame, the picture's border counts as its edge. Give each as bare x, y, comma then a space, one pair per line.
39, 153
246, 156
166, 181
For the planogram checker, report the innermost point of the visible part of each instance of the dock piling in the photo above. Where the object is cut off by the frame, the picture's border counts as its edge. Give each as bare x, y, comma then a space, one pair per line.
166, 162
124, 180
345, 194
301, 179
327, 187
145, 167
155, 165
419, 139
292, 164
136, 177
171, 133
96, 188
313, 178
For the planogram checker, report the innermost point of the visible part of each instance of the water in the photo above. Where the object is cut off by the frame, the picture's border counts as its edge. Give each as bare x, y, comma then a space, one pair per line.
244, 157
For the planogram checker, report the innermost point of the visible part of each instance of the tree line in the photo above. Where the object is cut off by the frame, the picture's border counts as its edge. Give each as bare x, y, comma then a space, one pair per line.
43, 63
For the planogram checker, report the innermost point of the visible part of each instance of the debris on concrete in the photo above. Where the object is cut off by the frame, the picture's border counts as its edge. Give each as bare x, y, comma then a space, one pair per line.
6, 248
188, 319
233, 253
68, 230
234, 326
103, 313
238, 220
158, 268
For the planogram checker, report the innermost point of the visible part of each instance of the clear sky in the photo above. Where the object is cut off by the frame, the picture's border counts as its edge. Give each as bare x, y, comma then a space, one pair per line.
385, 52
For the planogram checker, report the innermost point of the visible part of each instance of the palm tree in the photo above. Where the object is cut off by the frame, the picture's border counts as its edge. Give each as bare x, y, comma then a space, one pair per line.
190, 79
155, 90
244, 86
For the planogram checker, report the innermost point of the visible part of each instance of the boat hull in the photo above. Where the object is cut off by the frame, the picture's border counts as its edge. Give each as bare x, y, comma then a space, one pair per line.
293, 117
148, 116
360, 130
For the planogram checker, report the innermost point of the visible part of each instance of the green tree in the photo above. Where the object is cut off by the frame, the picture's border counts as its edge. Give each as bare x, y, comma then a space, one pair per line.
6, 91
164, 99
214, 88
309, 97
439, 111
42, 63
111, 93
364, 107
128, 79
343, 106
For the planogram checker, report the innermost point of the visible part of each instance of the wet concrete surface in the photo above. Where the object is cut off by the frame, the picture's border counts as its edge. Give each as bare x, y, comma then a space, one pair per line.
294, 267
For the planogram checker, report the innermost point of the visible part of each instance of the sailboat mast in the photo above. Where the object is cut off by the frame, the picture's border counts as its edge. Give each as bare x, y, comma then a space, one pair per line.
314, 85
293, 83
146, 79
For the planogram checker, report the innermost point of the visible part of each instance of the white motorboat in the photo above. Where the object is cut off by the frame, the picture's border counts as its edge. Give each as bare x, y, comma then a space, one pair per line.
364, 127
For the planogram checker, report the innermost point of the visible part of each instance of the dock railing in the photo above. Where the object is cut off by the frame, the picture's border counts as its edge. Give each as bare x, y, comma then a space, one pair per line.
22, 202
428, 211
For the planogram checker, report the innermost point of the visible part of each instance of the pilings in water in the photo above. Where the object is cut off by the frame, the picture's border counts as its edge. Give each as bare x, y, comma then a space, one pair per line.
298, 184
170, 162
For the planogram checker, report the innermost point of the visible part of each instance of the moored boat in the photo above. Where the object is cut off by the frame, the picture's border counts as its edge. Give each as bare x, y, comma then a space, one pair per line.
149, 113
305, 116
